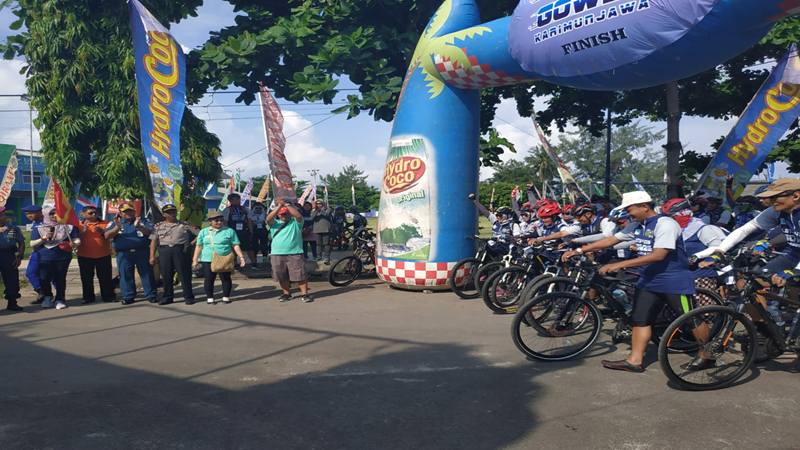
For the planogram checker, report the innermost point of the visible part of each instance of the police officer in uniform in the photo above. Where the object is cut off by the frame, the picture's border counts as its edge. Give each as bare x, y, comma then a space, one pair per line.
131, 241
12, 250
173, 239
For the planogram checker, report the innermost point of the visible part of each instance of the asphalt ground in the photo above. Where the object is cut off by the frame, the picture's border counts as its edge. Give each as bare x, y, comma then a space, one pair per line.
362, 367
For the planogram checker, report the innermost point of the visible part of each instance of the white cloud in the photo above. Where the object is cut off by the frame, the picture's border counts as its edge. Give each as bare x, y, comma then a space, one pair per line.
14, 116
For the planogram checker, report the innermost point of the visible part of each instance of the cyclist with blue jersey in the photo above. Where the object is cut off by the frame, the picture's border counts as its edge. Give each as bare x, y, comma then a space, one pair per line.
784, 196
502, 220
665, 277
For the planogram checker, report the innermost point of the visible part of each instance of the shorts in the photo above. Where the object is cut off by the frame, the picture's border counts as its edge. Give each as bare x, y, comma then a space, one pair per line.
782, 263
288, 268
647, 305
245, 240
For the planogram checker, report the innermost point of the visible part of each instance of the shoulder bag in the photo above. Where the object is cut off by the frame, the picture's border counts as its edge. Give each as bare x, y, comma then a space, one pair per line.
221, 263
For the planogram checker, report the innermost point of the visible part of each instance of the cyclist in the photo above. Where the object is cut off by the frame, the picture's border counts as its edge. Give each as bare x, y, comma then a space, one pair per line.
664, 273
784, 196
550, 222
697, 236
568, 214
587, 224
718, 214
502, 220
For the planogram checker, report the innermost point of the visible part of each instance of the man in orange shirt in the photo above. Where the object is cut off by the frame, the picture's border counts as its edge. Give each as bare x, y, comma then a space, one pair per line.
94, 256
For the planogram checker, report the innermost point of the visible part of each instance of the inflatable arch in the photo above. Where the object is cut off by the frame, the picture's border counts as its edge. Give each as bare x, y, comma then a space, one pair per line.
425, 217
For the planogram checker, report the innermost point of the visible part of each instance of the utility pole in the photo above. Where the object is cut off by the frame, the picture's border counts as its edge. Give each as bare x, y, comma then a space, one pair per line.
314, 173
25, 98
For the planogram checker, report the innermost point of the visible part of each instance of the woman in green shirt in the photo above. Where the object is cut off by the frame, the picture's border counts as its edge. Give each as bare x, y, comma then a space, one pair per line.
221, 240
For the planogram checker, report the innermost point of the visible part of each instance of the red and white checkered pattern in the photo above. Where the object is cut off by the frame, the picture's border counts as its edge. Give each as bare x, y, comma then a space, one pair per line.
413, 273
478, 76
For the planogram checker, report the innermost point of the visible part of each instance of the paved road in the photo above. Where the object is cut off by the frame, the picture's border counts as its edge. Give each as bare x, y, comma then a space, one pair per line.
362, 367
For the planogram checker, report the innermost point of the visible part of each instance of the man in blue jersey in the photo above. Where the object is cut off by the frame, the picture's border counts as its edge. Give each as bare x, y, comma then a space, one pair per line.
665, 277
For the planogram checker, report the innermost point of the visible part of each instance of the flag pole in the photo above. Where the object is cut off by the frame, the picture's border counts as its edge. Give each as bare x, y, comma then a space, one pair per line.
264, 119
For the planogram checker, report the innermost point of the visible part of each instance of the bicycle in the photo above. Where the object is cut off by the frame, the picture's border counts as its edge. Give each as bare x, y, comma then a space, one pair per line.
561, 321
502, 289
348, 269
461, 279
731, 345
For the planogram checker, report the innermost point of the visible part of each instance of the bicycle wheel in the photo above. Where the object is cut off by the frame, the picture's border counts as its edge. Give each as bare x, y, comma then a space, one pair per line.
550, 285
556, 337
484, 272
345, 271
501, 290
524, 296
461, 279
721, 334
704, 297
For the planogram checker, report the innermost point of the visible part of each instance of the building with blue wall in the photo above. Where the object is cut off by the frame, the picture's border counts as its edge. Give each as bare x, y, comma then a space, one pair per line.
29, 182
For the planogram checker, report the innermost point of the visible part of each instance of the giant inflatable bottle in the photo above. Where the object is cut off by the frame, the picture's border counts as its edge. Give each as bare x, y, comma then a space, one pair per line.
425, 219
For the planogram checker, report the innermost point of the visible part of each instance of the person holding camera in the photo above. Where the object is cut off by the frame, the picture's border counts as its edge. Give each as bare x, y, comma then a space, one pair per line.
94, 257
54, 242
288, 263
131, 241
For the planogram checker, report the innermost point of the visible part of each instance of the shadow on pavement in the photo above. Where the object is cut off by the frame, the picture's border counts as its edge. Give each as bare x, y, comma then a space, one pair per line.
423, 396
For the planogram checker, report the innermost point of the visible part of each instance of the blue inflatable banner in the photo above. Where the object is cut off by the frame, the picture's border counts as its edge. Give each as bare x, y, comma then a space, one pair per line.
768, 116
161, 86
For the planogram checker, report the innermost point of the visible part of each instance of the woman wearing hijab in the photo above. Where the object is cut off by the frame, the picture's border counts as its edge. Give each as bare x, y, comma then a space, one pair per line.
219, 239
54, 242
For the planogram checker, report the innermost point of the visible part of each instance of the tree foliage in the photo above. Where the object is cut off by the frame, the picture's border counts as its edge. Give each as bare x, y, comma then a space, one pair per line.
80, 77
341, 184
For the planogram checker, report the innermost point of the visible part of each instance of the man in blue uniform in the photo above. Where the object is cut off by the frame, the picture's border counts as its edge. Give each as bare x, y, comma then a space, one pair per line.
131, 241
664, 273
12, 250
34, 215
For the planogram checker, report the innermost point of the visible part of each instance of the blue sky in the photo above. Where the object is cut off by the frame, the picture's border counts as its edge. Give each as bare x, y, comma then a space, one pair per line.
327, 146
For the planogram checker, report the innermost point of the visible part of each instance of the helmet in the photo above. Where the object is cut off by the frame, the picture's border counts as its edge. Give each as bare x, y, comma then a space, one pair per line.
699, 200
543, 201
674, 206
619, 214
569, 209
505, 210
527, 206
549, 210
583, 209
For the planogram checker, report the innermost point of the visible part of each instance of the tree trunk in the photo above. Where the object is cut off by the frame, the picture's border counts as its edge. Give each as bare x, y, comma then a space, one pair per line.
673, 147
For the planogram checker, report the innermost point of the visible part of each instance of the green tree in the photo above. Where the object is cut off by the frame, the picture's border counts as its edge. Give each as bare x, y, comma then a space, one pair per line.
302, 48
80, 77
340, 186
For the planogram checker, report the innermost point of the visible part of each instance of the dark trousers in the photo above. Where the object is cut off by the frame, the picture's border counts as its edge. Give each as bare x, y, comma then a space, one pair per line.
210, 277
102, 267
309, 245
324, 245
261, 242
10, 276
54, 273
139, 260
171, 260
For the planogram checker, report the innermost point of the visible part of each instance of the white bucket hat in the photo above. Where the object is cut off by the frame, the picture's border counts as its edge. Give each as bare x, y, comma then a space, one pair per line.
635, 198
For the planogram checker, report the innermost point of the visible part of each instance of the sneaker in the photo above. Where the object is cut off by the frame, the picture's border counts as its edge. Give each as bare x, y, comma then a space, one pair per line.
226, 300
211, 301
307, 299
285, 298
152, 300
188, 301
61, 304
127, 301
13, 306
47, 303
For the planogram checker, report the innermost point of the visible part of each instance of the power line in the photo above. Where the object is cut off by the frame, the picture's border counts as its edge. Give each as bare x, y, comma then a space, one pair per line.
260, 117
287, 138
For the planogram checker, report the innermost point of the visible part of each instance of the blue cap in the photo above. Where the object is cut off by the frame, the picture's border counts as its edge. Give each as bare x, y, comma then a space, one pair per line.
32, 209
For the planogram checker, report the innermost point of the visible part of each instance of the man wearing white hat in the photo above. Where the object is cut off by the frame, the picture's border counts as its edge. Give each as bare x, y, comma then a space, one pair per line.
664, 272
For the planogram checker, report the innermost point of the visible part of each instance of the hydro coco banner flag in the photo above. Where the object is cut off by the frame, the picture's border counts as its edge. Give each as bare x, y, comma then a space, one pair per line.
768, 116
8, 179
161, 85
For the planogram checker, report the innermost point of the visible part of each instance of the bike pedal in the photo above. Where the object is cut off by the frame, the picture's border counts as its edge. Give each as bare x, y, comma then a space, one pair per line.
512, 309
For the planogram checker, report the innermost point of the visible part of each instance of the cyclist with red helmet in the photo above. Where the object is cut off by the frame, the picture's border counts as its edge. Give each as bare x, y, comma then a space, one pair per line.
550, 222
568, 213
663, 267
587, 223
697, 236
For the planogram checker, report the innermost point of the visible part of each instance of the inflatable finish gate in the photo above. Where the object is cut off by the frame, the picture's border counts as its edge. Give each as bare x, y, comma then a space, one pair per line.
425, 217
